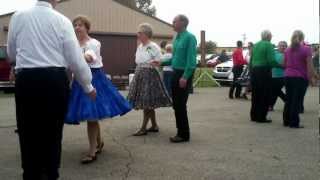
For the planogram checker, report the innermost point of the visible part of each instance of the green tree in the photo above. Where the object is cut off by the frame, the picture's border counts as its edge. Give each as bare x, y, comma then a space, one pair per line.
210, 47
143, 5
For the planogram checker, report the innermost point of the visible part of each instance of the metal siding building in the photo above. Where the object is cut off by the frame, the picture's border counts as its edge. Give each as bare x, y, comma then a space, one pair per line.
114, 25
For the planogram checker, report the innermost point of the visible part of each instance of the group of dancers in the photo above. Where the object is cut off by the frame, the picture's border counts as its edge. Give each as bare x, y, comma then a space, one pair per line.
44, 45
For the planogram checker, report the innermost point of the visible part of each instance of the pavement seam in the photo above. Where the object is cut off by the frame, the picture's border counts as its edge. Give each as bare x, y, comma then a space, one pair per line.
131, 159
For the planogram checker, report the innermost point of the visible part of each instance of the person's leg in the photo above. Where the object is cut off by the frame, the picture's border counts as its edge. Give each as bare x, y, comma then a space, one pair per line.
289, 98
265, 92
254, 95
281, 94
26, 103
233, 85
44, 107
153, 119
180, 97
166, 80
295, 102
93, 131
143, 130
274, 92
238, 85
299, 93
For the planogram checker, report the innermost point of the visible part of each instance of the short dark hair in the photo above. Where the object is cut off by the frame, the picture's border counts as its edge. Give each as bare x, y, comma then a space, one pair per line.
239, 44
163, 44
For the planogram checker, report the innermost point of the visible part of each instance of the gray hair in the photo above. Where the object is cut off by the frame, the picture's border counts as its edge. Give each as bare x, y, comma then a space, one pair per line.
169, 47
265, 35
184, 19
146, 29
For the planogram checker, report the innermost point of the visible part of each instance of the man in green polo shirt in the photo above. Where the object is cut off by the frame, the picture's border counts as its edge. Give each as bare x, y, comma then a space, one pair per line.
262, 61
183, 62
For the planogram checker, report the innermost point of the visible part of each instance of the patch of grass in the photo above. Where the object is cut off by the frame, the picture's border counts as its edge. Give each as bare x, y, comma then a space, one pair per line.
204, 81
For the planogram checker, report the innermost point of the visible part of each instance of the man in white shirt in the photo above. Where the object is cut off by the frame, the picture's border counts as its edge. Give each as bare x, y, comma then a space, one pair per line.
42, 45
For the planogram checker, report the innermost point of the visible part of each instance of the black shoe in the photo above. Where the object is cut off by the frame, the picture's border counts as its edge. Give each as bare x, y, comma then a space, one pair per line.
230, 97
178, 139
153, 130
285, 124
265, 121
297, 127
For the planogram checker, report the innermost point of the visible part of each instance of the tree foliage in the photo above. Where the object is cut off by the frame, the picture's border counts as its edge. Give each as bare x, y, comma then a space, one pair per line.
143, 5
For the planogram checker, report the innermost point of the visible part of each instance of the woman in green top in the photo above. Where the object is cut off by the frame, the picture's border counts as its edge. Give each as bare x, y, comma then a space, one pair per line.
278, 76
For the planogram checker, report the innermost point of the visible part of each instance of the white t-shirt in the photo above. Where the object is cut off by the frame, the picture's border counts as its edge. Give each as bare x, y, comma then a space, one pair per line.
92, 48
147, 53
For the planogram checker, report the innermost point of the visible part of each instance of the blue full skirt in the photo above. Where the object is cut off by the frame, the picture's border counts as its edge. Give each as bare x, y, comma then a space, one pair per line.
109, 102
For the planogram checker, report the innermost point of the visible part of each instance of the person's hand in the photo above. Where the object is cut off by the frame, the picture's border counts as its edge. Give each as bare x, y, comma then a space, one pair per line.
183, 83
155, 63
88, 58
93, 94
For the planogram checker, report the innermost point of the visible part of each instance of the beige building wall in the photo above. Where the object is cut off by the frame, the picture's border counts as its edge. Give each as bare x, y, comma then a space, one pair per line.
4, 22
110, 16
106, 16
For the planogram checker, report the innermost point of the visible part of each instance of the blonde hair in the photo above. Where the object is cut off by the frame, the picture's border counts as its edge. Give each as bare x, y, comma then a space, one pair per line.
297, 38
146, 29
83, 19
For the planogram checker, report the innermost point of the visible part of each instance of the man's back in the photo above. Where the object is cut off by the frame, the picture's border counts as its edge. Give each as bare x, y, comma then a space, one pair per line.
39, 35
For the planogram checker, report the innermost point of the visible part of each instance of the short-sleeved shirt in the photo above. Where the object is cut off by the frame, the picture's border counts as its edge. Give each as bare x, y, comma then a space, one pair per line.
146, 53
296, 61
278, 72
92, 48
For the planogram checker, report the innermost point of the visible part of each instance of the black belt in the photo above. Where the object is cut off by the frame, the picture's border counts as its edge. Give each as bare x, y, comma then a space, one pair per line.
50, 69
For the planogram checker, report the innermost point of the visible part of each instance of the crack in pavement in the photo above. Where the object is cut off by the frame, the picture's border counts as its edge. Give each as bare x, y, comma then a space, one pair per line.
131, 159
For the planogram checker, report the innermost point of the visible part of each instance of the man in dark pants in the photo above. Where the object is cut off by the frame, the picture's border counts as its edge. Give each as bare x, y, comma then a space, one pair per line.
263, 59
238, 63
184, 63
41, 55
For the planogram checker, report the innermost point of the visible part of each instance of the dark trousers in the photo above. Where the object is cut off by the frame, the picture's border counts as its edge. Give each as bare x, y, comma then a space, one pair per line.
277, 85
41, 106
261, 86
295, 90
237, 71
180, 99
167, 78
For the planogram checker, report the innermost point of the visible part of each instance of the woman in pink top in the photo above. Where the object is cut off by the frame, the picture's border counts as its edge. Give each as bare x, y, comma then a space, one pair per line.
298, 72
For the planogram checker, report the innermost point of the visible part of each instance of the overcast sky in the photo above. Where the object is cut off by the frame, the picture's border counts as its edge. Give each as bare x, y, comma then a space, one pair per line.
225, 21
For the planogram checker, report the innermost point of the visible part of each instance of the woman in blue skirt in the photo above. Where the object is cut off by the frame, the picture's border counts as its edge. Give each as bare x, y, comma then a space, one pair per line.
109, 102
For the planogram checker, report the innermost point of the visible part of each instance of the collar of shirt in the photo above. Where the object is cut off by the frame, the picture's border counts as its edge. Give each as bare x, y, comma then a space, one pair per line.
44, 4
181, 33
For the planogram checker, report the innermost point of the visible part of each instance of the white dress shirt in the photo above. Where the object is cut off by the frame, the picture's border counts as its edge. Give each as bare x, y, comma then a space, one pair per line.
92, 48
41, 37
146, 53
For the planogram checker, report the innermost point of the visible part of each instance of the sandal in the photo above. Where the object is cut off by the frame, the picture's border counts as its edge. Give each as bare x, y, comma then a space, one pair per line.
140, 133
100, 147
88, 159
153, 130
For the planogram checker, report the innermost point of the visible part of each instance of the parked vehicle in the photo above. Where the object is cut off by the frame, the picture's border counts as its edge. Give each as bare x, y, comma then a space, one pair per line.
5, 84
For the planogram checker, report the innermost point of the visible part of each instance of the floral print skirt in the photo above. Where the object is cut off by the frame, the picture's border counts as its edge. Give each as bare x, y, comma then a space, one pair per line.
147, 90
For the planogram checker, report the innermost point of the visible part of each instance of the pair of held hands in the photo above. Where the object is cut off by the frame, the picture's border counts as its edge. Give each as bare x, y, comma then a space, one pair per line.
182, 81
92, 94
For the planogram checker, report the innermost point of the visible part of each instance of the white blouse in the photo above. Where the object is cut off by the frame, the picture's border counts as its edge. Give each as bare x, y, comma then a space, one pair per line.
92, 48
147, 53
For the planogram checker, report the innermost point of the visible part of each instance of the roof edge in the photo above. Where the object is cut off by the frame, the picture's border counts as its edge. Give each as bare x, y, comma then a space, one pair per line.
141, 12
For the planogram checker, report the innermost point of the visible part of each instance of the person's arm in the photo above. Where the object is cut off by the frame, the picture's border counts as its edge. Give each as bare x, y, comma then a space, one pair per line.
166, 62
271, 57
75, 59
93, 53
11, 42
191, 58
